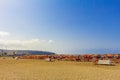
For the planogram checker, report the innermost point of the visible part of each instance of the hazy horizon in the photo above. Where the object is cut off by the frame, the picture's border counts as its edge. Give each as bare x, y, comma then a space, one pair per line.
61, 26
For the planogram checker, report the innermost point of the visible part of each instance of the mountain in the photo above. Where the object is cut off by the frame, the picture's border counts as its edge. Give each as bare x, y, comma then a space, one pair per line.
22, 52
79, 51
33, 52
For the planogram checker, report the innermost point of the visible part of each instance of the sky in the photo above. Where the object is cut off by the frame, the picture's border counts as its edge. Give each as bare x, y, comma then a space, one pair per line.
61, 26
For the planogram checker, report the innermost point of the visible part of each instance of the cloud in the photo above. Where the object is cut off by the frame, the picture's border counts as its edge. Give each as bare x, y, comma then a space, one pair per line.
4, 34
50, 41
7, 41
33, 44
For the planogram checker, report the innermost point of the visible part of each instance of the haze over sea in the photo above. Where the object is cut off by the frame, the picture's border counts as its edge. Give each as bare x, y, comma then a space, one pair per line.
60, 26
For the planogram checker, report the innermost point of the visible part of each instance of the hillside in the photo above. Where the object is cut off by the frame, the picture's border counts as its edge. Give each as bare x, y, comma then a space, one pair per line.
20, 52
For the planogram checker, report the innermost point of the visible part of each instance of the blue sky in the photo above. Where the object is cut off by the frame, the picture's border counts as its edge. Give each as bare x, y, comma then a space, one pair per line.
59, 25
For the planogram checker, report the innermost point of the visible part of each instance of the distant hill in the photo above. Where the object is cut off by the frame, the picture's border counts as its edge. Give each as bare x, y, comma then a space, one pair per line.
33, 52
22, 52
76, 52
